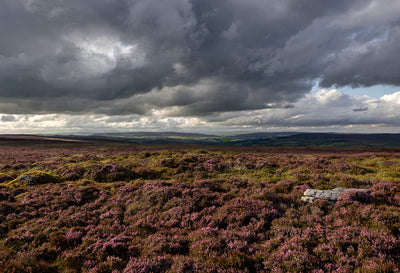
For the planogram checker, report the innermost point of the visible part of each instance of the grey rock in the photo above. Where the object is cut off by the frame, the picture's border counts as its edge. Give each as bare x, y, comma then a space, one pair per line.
26, 179
331, 195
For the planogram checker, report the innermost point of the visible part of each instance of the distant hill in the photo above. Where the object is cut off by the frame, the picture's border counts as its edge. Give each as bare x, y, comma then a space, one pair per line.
153, 134
264, 139
331, 139
244, 139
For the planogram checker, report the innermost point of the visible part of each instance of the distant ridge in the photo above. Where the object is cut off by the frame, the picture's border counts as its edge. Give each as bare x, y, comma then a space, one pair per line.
329, 140
53, 139
264, 139
239, 139
164, 134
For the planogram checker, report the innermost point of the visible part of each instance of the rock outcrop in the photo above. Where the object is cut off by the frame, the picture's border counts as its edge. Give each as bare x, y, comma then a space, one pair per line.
32, 178
331, 195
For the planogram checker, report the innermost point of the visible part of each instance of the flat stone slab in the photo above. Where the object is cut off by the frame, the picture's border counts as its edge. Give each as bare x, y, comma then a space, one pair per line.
331, 195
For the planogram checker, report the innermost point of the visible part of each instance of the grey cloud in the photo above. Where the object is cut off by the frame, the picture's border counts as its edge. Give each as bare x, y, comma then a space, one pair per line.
325, 108
377, 62
360, 109
189, 57
6, 118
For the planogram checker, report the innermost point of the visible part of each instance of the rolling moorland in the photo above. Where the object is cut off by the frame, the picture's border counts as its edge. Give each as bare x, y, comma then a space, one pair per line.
263, 139
105, 204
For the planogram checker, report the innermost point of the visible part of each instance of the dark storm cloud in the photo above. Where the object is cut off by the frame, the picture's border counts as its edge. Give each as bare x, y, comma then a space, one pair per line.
189, 57
379, 63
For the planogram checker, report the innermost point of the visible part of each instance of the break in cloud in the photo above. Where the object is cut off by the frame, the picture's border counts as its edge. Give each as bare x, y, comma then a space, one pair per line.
228, 62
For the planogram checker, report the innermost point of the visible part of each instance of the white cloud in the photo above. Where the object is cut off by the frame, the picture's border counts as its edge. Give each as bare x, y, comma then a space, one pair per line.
325, 110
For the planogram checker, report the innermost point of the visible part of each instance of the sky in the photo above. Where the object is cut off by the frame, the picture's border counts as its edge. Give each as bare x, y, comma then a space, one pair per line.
73, 66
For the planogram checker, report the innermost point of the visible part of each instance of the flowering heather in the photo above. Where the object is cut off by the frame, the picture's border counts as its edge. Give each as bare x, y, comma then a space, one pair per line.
115, 209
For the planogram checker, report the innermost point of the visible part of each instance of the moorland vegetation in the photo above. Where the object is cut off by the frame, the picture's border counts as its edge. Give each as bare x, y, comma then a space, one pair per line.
128, 208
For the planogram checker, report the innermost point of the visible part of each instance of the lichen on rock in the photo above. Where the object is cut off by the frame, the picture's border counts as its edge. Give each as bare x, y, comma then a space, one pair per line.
331, 195
34, 178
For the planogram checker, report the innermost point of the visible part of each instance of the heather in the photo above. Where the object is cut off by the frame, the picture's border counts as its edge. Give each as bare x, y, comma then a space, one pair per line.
128, 208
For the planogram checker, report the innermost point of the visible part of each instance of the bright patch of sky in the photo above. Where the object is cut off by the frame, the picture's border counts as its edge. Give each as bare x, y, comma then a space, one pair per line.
376, 91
